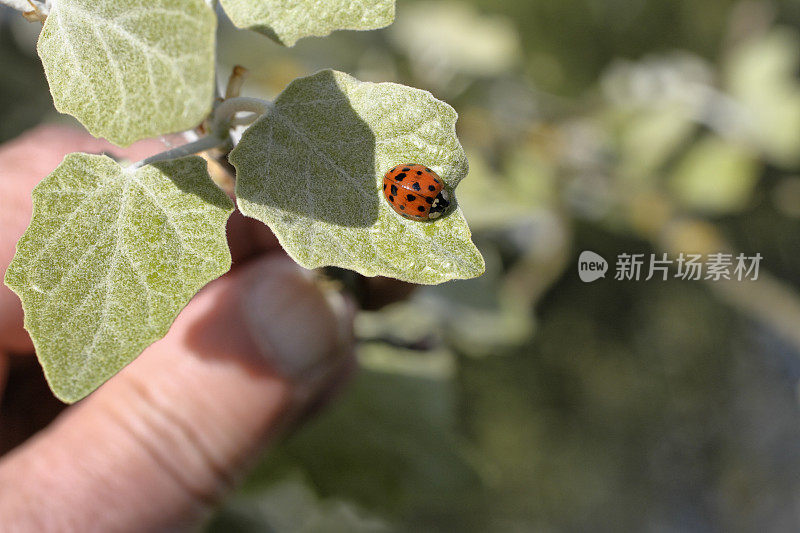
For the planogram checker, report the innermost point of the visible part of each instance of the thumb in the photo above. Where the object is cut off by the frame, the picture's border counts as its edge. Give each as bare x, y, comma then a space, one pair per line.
157, 444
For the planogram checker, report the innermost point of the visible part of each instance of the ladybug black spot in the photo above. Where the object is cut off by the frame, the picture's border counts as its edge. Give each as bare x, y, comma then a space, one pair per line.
431, 188
400, 177
421, 208
419, 173
434, 179
428, 170
429, 200
403, 207
406, 169
411, 197
416, 186
393, 190
391, 198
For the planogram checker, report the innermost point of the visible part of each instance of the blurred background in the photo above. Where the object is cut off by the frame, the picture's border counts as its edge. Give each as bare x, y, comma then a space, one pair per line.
527, 400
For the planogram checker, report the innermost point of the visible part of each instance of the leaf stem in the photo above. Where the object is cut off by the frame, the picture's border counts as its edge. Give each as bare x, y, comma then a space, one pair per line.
223, 118
200, 145
226, 111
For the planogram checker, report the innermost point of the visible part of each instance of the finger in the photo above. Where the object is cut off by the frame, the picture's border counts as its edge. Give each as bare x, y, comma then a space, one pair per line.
27, 403
248, 237
378, 291
152, 448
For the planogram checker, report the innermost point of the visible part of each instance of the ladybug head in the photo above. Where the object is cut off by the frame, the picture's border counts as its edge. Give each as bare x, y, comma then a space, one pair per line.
439, 205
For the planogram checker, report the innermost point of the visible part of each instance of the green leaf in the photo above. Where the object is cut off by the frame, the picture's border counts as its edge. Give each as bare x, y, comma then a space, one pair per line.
715, 177
495, 201
110, 258
649, 137
287, 22
291, 504
390, 444
312, 170
761, 75
465, 40
478, 318
130, 70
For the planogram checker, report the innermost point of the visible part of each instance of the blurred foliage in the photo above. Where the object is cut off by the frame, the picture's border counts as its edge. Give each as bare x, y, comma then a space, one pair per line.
526, 400
289, 505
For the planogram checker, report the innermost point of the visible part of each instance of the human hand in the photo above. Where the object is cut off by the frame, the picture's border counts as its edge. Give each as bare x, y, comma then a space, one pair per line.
158, 444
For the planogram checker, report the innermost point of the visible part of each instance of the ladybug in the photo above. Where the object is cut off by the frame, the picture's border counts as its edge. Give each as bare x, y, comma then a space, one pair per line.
415, 191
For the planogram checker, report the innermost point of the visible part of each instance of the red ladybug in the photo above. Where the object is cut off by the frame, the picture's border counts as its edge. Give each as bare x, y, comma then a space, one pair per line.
415, 191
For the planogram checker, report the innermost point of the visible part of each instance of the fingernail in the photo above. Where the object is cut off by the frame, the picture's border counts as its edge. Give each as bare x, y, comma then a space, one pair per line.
301, 328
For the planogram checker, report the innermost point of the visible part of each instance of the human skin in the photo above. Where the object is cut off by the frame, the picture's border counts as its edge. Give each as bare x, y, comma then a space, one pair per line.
157, 446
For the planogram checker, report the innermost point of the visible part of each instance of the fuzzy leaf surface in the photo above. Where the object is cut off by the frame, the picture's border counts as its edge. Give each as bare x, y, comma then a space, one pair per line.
287, 21
128, 69
110, 258
312, 170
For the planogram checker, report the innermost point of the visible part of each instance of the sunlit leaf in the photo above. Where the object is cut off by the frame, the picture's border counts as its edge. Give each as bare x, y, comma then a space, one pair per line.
286, 22
312, 169
110, 258
130, 70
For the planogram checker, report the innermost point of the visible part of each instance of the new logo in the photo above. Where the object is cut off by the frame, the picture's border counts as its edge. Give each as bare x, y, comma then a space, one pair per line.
591, 266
